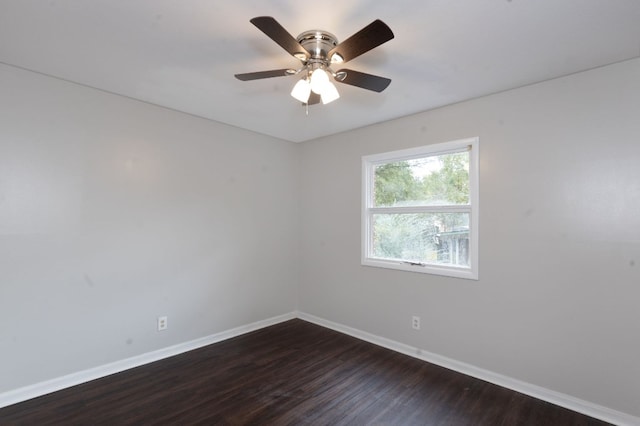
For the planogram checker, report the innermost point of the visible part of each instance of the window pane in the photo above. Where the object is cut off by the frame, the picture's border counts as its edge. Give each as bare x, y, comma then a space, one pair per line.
430, 181
435, 238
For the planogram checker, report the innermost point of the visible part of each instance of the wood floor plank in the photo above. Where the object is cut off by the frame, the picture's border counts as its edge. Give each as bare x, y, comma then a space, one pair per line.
293, 373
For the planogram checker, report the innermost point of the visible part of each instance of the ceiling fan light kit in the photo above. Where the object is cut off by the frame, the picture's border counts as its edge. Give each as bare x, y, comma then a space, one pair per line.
318, 50
301, 90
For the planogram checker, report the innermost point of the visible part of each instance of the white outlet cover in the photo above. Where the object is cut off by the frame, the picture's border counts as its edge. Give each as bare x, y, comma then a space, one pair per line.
162, 323
415, 322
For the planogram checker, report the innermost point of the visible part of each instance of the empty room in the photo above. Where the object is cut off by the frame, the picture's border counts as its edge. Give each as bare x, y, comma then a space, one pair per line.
355, 213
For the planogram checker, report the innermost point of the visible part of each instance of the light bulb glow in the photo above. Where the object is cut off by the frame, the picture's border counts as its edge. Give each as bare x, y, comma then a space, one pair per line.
337, 59
301, 91
319, 79
330, 93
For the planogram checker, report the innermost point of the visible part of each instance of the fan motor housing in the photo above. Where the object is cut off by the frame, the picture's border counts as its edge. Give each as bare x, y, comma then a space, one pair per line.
318, 43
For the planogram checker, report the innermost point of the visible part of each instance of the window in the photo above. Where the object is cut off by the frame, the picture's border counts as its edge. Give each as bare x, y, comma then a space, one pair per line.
420, 209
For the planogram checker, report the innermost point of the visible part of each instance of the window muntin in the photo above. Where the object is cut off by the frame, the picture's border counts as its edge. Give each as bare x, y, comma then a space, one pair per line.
420, 209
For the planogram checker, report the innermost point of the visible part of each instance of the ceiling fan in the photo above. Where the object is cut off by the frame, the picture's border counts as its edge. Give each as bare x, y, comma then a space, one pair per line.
318, 50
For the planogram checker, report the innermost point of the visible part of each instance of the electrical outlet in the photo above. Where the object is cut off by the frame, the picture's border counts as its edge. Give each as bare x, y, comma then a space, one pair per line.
162, 323
415, 322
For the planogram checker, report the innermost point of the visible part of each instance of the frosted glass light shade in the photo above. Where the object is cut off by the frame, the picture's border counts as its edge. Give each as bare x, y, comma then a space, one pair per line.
319, 79
301, 91
329, 93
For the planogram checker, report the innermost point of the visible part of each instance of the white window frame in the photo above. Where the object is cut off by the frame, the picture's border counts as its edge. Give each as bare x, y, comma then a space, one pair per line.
369, 163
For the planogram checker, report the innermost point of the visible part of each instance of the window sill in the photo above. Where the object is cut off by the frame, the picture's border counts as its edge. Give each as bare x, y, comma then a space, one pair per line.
448, 271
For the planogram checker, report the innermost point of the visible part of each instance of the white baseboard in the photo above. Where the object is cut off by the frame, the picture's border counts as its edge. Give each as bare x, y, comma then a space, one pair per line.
557, 398
43, 388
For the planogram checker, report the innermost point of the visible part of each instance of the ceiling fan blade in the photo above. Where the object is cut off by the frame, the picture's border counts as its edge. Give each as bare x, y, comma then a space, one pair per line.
277, 33
373, 35
361, 79
314, 98
263, 74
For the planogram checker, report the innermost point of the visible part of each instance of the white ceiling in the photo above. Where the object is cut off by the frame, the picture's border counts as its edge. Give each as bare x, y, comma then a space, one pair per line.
183, 54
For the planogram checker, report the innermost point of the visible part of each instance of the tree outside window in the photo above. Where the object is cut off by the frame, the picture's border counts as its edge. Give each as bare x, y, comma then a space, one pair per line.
418, 206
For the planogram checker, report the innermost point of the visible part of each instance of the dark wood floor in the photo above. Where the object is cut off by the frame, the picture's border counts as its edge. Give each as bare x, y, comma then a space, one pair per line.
293, 373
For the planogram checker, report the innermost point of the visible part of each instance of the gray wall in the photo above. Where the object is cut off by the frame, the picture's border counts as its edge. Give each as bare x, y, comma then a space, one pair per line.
113, 212
557, 300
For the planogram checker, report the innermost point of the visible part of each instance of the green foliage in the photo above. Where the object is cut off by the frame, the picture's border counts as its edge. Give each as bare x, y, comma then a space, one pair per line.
404, 236
449, 185
394, 183
397, 184
414, 236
